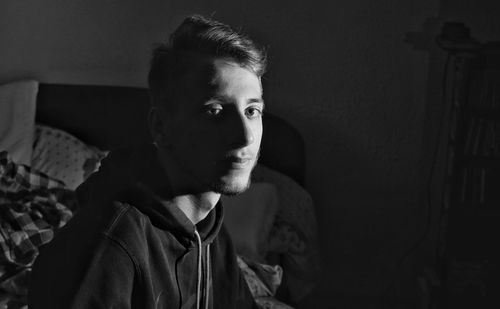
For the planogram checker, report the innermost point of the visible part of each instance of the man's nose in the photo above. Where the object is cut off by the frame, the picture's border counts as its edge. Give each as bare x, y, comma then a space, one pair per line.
241, 132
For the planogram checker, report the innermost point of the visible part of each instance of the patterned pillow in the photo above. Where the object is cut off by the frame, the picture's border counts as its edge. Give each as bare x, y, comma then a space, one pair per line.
62, 156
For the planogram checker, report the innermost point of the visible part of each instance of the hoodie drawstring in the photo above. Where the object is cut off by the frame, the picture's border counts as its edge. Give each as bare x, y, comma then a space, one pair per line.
207, 279
206, 287
198, 282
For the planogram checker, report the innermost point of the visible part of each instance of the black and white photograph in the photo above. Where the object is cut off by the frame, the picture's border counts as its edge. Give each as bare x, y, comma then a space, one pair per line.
249, 154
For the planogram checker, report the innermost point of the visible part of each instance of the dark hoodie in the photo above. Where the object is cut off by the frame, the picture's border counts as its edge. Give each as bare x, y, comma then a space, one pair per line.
130, 247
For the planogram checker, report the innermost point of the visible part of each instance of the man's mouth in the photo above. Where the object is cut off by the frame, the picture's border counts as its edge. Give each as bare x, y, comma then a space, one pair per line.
235, 162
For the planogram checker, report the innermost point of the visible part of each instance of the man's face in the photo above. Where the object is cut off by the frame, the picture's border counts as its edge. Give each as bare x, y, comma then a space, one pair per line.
216, 128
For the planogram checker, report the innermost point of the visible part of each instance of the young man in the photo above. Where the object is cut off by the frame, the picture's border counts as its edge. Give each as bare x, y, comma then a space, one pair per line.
150, 233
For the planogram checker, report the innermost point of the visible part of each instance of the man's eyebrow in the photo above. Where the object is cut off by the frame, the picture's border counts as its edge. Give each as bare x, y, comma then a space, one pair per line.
256, 100
225, 99
211, 97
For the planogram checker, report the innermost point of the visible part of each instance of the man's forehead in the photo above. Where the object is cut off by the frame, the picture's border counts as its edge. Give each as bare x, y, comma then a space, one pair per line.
204, 72
195, 83
198, 70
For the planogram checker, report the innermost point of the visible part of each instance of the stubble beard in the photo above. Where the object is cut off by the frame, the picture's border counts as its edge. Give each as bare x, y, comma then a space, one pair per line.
232, 189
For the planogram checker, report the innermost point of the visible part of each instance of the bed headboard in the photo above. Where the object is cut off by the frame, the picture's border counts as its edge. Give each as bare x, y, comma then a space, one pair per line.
110, 117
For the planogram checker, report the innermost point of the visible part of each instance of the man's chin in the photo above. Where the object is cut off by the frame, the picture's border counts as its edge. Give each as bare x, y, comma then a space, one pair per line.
231, 188
233, 182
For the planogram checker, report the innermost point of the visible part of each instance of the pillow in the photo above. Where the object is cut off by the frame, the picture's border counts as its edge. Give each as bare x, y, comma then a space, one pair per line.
63, 156
249, 218
17, 119
294, 233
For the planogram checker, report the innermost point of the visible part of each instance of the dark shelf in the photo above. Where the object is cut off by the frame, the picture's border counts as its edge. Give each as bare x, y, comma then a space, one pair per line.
489, 209
484, 113
471, 257
480, 161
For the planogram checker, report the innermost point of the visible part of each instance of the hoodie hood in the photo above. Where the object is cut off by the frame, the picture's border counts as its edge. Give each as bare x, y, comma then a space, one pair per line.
129, 237
135, 177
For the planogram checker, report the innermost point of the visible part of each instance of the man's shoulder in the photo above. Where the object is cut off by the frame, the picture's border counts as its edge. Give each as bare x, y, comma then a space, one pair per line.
79, 249
115, 232
126, 224
92, 225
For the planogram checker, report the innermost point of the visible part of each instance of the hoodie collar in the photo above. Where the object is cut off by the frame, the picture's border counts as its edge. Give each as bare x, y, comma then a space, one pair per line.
149, 194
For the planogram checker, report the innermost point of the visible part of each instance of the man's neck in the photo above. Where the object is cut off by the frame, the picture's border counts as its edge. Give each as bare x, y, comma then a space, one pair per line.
196, 206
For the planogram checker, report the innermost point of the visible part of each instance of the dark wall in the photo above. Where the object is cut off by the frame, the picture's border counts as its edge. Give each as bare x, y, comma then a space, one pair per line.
341, 72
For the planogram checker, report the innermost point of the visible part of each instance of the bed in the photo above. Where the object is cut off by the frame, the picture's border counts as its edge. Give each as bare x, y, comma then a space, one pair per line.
63, 131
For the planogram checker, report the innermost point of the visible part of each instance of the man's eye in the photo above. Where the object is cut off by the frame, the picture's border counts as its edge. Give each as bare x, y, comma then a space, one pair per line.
213, 110
253, 112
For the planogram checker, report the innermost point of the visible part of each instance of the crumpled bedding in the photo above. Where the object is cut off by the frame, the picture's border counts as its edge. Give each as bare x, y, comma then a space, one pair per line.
32, 207
263, 281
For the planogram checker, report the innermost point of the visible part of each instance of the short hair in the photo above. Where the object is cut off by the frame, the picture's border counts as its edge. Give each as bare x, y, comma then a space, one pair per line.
198, 35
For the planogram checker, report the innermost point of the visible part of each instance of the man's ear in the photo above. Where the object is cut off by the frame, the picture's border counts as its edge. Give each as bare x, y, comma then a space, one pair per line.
157, 122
